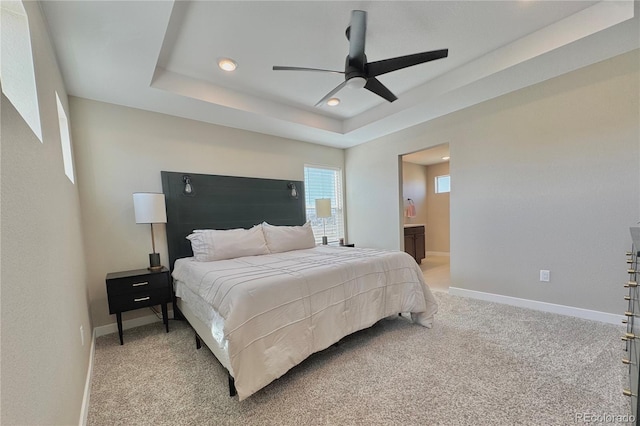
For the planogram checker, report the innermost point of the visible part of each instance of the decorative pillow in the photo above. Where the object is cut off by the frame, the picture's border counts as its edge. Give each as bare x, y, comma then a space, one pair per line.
213, 244
286, 238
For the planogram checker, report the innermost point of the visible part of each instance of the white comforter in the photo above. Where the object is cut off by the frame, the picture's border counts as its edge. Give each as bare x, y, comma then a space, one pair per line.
280, 308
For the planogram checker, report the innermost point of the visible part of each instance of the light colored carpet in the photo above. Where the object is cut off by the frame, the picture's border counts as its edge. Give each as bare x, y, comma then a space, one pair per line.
481, 363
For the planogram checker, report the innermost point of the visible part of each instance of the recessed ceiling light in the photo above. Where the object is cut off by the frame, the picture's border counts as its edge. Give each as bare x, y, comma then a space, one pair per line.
227, 64
446, 157
333, 101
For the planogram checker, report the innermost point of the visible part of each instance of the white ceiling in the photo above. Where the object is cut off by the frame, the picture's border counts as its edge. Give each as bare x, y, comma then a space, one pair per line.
161, 56
428, 157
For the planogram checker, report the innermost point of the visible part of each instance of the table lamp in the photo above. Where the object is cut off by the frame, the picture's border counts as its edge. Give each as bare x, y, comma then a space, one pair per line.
323, 210
149, 208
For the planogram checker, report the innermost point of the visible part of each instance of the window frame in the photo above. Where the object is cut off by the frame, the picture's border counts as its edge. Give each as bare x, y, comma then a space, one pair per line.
438, 184
65, 140
335, 225
17, 72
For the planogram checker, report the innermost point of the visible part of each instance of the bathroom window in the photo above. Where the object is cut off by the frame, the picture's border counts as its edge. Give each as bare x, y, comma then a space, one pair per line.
443, 184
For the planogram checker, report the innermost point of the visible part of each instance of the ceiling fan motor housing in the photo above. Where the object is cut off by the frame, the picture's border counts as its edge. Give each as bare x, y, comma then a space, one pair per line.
354, 72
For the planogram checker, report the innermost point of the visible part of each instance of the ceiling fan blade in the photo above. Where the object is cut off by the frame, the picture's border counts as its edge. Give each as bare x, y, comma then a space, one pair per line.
356, 34
281, 68
374, 85
393, 64
331, 93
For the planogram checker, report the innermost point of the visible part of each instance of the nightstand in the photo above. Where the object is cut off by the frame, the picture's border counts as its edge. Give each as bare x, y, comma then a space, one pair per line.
336, 244
140, 288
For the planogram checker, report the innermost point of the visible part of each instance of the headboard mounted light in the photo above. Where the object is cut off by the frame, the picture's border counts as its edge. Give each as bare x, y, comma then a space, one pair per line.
188, 188
294, 190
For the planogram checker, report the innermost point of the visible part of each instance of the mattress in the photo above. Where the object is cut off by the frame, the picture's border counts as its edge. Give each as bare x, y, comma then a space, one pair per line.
203, 311
271, 312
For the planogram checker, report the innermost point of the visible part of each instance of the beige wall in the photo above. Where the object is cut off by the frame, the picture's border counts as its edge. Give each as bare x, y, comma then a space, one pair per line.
44, 294
544, 178
437, 206
123, 150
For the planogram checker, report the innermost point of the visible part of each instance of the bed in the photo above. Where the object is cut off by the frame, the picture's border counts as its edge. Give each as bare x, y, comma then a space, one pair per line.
262, 314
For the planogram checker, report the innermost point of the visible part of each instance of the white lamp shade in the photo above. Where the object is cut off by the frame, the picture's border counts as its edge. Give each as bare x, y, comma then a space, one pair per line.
323, 207
149, 207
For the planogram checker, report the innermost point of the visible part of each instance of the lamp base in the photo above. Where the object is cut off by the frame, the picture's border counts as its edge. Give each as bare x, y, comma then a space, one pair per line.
154, 262
324, 241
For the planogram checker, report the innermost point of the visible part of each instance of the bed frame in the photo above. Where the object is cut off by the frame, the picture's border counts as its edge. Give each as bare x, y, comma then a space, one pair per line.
223, 202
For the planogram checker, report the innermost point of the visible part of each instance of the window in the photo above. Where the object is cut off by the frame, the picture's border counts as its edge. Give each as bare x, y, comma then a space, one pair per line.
65, 140
16, 69
324, 182
443, 184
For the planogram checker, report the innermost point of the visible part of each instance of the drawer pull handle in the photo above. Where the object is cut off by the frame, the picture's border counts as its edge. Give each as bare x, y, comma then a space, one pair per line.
631, 271
627, 392
631, 284
139, 284
627, 361
142, 299
630, 335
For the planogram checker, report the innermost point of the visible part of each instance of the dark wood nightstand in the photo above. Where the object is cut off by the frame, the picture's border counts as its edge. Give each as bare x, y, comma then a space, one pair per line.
140, 288
337, 244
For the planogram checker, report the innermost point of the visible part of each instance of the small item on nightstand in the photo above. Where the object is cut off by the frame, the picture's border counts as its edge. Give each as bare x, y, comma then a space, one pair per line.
154, 262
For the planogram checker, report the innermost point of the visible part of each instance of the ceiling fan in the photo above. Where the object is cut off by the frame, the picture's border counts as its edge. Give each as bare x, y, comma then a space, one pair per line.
359, 73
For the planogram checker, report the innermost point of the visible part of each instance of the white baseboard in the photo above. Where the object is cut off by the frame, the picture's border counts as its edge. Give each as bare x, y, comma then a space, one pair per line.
539, 306
438, 253
84, 411
132, 323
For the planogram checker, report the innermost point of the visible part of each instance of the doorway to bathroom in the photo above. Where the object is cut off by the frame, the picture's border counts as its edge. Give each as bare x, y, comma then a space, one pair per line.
426, 188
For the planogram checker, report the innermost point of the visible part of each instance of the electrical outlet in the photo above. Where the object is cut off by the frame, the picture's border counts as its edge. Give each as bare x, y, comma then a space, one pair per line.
82, 335
545, 275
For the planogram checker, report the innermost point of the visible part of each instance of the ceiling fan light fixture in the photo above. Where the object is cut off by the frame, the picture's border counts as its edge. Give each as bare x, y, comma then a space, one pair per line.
356, 82
227, 64
333, 102
360, 74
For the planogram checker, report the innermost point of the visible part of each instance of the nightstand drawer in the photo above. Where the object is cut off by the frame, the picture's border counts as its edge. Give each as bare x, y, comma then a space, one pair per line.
135, 283
140, 299
140, 288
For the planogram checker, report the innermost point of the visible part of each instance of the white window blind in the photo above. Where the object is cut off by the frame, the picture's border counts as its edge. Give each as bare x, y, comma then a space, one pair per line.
324, 182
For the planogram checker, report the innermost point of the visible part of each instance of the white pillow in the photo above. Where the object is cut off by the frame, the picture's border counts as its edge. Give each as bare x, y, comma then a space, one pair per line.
286, 238
213, 244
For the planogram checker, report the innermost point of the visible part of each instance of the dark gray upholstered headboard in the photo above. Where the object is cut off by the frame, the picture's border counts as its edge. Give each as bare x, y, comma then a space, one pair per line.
225, 202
